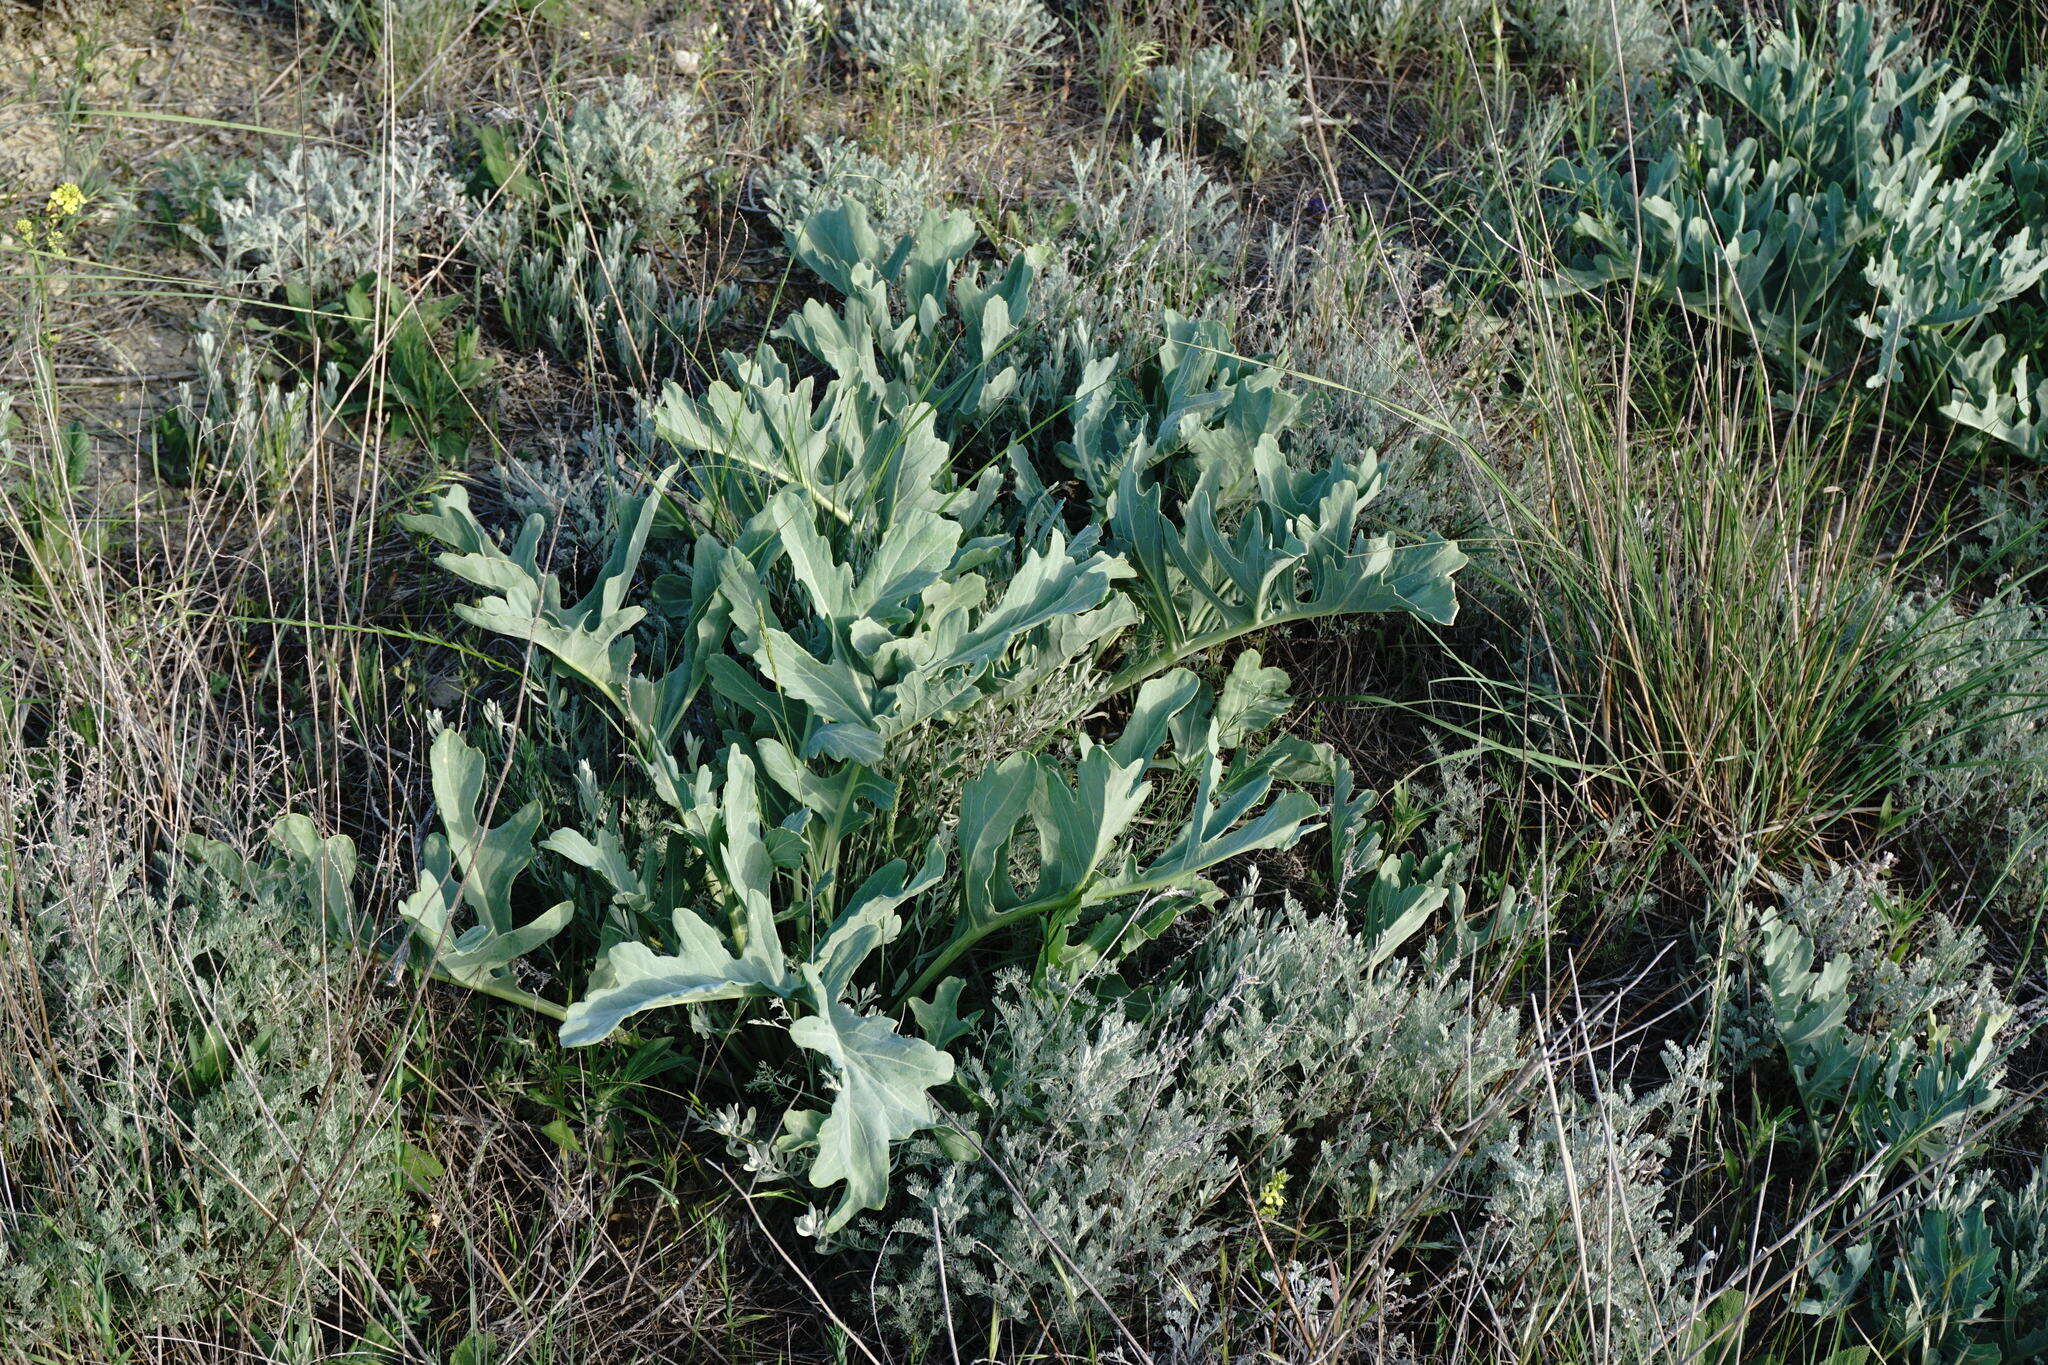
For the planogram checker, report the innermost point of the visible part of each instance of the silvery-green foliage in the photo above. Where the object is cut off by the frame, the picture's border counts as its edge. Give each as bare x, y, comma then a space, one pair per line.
408, 33
1630, 38
1851, 915
1978, 778
801, 24
636, 151
1596, 37
592, 298
233, 423
1887, 1017
2012, 527
2018, 1218
1148, 197
966, 51
1895, 1035
1864, 226
1895, 1042
1948, 1266
575, 491
1964, 1281
1401, 362
1114, 1138
1123, 1141
1258, 117
2003, 395
826, 173
320, 216
1904, 1090
469, 871
870, 553
211, 1123
1148, 229
1577, 1239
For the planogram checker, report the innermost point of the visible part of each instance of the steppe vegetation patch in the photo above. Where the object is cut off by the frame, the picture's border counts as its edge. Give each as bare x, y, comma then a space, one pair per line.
1355, 680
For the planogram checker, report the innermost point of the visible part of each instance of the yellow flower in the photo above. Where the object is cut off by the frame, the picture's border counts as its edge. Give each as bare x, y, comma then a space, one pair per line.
66, 200
1273, 1197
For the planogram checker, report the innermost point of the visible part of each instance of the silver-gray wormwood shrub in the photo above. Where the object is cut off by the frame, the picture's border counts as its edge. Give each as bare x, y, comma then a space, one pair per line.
1146, 230
1978, 778
1122, 1142
1258, 117
1596, 37
965, 51
213, 1125
1399, 358
233, 422
320, 216
637, 150
595, 299
827, 172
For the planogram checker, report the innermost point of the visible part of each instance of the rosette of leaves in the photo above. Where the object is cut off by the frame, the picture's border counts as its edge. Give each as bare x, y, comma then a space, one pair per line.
864, 548
1854, 206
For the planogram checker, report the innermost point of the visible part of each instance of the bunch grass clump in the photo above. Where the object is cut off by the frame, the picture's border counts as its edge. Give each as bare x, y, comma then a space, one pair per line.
1717, 637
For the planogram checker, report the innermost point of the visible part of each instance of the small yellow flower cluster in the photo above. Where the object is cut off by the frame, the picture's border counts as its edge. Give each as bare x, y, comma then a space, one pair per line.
46, 231
1273, 1196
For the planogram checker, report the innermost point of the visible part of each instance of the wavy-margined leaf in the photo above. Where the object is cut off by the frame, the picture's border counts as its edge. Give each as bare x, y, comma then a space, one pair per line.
857, 461
700, 971
913, 637
2003, 399
748, 958
1810, 1009
939, 1018
880, 1077
1080, 817
837, 801
1076, 822
326, 868
1400, 896
475, 866
592, 639
606, 855
883, 1080
1389, 896
1253, 697
1296, 553
870, 920
1208, 408
1902, 1092
913, 360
